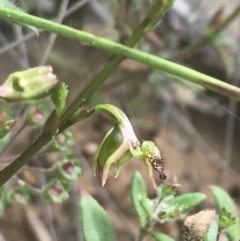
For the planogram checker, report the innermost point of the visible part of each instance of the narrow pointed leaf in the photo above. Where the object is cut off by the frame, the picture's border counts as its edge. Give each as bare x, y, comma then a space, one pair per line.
188, 201
212, 231
139, 193
222, 200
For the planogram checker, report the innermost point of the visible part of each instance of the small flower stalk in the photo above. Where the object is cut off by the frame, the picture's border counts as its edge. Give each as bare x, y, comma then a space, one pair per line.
120, 144
31, 84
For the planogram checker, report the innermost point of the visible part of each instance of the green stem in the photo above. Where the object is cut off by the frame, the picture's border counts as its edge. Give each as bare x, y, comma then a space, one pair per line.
14, 167
101, 43
142, 234
102, 76
10, 170
121, 50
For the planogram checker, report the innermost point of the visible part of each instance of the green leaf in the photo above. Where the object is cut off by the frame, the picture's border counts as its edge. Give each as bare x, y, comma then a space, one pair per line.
20, 194
8, 4
3, 199
96, 224
160, 236
146, 205
186, 202
138, 194
223, 200
212, 231
59, 97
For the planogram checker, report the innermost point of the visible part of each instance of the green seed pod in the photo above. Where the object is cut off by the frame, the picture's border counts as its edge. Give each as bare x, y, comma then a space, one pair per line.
32, 84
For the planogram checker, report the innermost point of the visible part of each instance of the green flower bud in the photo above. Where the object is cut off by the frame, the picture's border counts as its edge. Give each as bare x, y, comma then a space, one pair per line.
32, 84
36, 115
5, 127
56, 190
6, 121
61, 142
20, 194
68, 168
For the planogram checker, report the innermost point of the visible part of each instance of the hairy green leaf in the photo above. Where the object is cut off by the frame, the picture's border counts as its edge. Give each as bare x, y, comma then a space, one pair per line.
212, 231
139, 198
186, 202
96, 224
223, 200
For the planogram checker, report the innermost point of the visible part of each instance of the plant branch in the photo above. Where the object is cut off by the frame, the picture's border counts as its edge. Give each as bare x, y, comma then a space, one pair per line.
101, 43
15, 16
15, 166
122, 51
